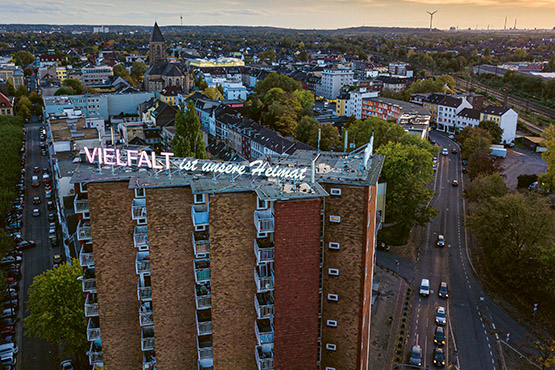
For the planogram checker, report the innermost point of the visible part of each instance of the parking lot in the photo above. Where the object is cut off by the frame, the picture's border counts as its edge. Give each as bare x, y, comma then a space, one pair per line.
521, 161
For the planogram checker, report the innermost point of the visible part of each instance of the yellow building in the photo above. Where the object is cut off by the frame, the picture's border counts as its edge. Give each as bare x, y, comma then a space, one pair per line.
341, 106
61, 73
13, 74
169, 95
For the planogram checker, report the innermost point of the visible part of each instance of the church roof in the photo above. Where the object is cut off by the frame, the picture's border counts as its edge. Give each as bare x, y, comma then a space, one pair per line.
156, 34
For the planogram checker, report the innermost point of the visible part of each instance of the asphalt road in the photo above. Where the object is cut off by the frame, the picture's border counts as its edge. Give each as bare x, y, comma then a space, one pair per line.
475, 321
34, 354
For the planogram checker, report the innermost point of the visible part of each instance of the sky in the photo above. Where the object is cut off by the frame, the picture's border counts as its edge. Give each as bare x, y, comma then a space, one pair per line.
302, 14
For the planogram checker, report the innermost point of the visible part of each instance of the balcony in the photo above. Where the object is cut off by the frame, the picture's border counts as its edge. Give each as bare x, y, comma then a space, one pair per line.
86, 255
144, 289
89, 281
264, 221
264, 359
202, 296
263, 250
202, 270
199, 214
204, 346
142, 263
83, 231
146, 317
149, 360
138, 208
80, 205
201, 244
264, 332
264, 279
95, 354
264, 305
93, 329
91, 305
147, 338
140, 238
204, 322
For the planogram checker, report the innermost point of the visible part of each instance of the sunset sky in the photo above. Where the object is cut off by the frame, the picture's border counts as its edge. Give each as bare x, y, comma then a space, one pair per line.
285, 13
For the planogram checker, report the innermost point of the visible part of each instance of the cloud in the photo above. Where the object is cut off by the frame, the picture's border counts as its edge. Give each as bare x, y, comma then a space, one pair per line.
491, 3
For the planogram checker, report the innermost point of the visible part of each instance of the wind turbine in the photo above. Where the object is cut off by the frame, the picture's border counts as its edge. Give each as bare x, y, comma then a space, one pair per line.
431, 18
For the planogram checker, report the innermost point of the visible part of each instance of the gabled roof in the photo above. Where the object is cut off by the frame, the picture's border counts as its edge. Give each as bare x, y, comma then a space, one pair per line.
449, 101
469, 113
434, 98
156, 34
5, 102
497, 111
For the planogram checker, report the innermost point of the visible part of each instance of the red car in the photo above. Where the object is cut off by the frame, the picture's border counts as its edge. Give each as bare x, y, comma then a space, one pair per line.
454, 151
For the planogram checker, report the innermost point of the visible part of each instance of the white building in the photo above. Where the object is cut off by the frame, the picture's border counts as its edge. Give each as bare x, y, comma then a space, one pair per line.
234, 90
353, 106
505, 117
101, 29
447, 110
332, 81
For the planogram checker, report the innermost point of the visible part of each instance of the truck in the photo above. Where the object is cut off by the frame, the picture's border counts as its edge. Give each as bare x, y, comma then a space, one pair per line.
498, 151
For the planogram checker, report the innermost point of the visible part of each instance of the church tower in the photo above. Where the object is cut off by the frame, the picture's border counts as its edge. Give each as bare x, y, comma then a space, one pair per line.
157, 46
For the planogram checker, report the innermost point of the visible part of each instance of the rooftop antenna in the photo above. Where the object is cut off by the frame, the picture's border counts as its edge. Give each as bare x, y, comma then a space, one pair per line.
319, 136
505, 28
515, 24
431, 18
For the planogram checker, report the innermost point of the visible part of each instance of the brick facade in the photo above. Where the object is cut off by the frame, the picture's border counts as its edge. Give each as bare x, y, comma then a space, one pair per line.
297, 280
232, 261
116, 280
171, 253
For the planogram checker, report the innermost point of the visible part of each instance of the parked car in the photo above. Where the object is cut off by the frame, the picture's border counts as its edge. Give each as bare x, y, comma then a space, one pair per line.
57, 260
50, 205
439, 336
443, 290
9, 260
14, 303
416, 355
425, 287
25, 245
440, 241
441, 316
36, 212
439, 357
51, 217
66, 365
35, 181
8, 313
46, 178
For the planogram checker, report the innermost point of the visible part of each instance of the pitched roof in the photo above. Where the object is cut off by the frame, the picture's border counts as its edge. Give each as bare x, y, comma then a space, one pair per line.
5, 102
449, 101
498, 111
156, 34
469, 113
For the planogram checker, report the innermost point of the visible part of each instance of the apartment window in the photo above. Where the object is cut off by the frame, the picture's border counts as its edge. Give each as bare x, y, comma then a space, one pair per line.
331, 323
333, 272
86, 215
330, 368
139, 193
200, 228
331, 347
333, 297
335, 219
334, 191
141, 221
199, 199
334, 245
262, 204
82, 187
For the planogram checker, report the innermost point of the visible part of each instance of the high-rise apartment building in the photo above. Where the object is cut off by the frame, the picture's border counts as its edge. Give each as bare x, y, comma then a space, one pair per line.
198, 264
333, 80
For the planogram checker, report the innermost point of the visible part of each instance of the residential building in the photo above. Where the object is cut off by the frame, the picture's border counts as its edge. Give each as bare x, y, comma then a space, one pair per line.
169, 94
47, 60
97, 75
6, 105
101, 29
333, 80
447, 110
219, 62
467, 117
71, 131
199, 270
234, 90
505, 117
353, 106
399, 69
395, 84
341, 104
13, 74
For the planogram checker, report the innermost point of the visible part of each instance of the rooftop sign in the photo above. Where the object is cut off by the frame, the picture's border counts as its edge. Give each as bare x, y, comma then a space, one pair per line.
128, 158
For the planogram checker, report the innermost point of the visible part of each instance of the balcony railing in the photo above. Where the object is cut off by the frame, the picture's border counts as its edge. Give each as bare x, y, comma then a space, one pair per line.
93, 330
204, 346
264, 359
202, 297
263, 250
91, 306
146, 316
202, 270
95, 354
138, 208
204, 322
83, 231
144, 293
80, 205
89, 285
264, 305
201, 244
86, 256
140, 238
264, 331
264, 280
147, 339
264, 221
149, 361
142, 263
199, 214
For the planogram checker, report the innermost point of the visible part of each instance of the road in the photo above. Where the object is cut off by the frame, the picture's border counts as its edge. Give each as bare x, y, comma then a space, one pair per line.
35, 354
475, 320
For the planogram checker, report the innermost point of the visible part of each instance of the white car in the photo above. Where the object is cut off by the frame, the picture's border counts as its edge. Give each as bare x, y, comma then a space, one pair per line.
445, 151
441, 316
425, 287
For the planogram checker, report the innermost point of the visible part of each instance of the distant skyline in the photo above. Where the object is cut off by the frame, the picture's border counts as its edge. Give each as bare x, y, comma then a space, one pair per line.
307, 14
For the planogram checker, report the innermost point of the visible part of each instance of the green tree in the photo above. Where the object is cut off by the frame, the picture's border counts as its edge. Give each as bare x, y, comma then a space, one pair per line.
547, 179
474, 140
483, 188
306, 98
303, 56
329, 138
213, 93
35, 98
119, 70
481, 164
282, 111
64, 91
21, 91
383, 131
268, 56
138, 69
493, 128
23, 58
187, 141
307, 131
56, 306
274, 79
73, 84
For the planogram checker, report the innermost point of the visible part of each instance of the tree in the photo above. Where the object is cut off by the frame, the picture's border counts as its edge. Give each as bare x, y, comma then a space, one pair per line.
329, 138
493, 128
138, 69
282, 111
35, 98
21, 91
274, 79
303, 56
384, 132
307, 131
56, 306
306, 98
481, 164
268, 56
474, 140
73, 84
547, 179
23, 58
187, 141
64, 91
483, 188
119, 70
213, 93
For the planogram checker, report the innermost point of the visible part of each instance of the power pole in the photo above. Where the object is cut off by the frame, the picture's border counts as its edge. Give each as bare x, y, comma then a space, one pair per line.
431, 18
515, 24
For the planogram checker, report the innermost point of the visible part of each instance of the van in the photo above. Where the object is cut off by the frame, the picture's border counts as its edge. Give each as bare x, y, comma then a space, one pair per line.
425, 287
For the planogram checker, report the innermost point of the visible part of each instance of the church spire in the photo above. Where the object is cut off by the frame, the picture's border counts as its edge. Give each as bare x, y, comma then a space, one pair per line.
157, 34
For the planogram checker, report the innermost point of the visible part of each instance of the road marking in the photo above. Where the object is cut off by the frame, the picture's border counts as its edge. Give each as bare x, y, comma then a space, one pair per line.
493, 325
